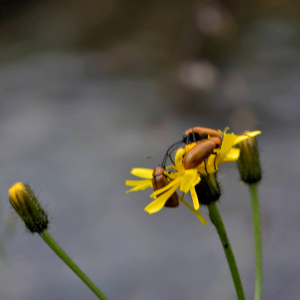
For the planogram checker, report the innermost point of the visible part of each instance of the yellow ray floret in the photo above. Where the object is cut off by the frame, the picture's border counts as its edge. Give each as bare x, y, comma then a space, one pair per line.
197, 214
240, 138
159, 203
233, 155
139, 185
141, 172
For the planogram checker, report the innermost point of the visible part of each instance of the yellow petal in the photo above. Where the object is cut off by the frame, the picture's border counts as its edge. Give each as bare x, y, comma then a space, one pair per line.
195, 198
240, 138
159, 203
172, 175
140, 187
233, 155
175, 182
171, 166
137, 182
178, 159
198, 215
225, 147
17, 194
189, 147
144, 173
190, 177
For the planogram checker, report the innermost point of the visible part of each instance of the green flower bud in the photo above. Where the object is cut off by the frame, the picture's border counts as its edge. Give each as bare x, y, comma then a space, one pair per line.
208, 189
249, 164
28, 207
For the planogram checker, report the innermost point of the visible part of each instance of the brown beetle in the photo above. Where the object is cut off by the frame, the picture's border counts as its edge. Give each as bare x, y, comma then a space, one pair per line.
200, 152
159, 181
207, 140
200, 133
195, 134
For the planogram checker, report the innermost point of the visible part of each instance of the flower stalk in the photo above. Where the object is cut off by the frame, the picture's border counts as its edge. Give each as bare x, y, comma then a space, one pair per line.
250, 171
216, 219
45, 235
257, 240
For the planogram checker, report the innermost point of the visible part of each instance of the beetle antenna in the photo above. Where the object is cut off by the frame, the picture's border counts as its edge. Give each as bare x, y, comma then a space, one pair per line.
169, 152
153, 159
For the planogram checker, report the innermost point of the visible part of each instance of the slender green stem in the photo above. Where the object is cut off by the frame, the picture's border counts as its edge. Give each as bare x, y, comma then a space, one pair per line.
55, 247
257, 240
216, 219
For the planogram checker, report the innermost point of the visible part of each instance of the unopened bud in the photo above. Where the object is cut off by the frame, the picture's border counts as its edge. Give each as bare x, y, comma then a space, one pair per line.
249, 164
208, 189
28, 207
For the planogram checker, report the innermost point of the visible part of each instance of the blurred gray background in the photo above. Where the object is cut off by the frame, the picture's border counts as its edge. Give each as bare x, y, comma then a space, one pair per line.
89, 90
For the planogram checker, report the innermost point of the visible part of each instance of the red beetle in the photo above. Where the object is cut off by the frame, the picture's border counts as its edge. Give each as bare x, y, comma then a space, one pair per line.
159, 181
200, 153
207, 140
200, 133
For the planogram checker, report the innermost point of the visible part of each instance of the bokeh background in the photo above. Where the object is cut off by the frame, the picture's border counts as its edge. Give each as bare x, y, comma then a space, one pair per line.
90, 89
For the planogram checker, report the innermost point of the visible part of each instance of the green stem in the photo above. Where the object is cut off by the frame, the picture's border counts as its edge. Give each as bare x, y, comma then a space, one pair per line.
216, 219
257, 240
55, 247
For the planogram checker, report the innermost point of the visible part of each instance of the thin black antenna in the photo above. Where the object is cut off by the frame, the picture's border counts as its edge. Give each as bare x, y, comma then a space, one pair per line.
154, 159
169, 151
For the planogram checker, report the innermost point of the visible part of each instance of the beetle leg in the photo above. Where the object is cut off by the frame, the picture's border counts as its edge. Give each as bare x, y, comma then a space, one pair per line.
215, 153
205, 159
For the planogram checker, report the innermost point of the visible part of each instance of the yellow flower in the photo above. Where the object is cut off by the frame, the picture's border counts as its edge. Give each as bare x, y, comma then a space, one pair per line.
192, 178
226, 153
186, 180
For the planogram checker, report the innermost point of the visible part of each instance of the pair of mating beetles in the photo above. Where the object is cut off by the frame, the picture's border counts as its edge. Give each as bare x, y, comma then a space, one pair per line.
207, 141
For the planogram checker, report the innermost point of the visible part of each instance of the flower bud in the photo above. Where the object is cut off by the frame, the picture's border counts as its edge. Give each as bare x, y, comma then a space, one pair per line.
208, 189
249, 164
28, 207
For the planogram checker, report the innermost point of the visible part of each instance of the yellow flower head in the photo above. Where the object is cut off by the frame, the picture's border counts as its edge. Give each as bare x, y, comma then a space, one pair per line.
187, 179
162, 195
226, 153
